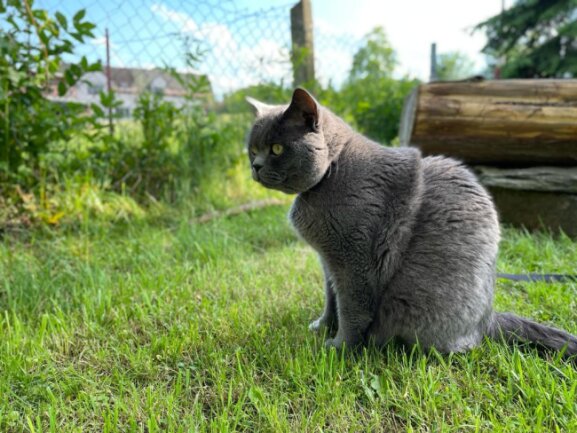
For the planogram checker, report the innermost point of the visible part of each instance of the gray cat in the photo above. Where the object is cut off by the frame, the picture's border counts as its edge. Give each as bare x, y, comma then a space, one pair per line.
407, 244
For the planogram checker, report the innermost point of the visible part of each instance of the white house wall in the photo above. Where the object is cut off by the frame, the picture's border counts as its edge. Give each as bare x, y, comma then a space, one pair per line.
128, 96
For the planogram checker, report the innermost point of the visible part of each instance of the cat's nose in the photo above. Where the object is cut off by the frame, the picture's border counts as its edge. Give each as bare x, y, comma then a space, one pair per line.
258, 163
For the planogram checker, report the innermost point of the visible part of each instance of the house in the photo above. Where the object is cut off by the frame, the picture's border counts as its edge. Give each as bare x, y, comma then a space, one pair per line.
127, 84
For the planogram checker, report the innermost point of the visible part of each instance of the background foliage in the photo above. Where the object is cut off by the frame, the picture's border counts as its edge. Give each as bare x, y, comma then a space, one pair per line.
373, 96
164, 154
534, 39
53, 154
454, 66
32, 46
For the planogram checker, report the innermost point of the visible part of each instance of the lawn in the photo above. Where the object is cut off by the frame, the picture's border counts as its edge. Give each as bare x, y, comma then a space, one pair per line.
168, 325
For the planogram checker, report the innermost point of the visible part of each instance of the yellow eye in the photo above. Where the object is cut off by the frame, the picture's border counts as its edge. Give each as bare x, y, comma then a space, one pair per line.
277, 149
253, 150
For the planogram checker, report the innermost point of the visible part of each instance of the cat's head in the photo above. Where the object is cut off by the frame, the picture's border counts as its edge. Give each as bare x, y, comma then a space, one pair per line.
286, 146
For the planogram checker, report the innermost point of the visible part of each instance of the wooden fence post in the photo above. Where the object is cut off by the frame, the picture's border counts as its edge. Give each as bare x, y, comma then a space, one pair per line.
302, 55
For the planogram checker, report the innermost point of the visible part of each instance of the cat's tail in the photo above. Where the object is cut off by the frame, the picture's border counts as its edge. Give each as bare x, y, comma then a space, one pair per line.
512, 328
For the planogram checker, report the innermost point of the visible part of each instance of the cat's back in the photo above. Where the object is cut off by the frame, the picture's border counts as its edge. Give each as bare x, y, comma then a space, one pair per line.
453, 194
457, 221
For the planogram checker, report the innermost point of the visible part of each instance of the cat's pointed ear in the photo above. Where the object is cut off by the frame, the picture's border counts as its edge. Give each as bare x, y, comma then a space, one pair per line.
304, 108
258, 108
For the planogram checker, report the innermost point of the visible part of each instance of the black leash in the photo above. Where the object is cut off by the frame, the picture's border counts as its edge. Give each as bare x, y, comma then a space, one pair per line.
548, 278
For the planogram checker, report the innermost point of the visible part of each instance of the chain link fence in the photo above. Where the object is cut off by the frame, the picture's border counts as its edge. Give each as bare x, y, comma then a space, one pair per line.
236, 46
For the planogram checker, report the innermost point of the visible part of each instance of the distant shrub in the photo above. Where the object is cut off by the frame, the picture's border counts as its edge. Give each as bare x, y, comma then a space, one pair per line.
166, 152
32, 44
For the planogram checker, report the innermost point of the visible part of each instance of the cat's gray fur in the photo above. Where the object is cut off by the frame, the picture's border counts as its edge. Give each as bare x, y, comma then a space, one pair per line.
407, 244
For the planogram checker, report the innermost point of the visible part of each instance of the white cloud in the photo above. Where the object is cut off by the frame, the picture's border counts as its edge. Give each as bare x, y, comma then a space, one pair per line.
230, 64
412, 25
186, 23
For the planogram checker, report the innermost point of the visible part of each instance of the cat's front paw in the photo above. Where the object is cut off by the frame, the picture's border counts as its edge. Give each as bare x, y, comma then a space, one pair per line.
317, 325
336, 342
321, 323
352, 342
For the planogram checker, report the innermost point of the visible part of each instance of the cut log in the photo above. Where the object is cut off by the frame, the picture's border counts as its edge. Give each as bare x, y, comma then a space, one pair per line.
498, 122
551, 179
552, 211
535, 197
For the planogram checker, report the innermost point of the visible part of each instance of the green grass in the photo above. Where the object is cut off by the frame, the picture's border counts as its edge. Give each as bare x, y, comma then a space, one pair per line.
170, 326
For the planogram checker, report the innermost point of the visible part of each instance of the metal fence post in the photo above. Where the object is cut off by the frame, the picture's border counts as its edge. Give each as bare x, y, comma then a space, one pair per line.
108, 82
434, 76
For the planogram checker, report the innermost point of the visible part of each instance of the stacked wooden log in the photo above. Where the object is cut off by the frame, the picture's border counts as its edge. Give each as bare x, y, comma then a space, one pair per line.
520, 136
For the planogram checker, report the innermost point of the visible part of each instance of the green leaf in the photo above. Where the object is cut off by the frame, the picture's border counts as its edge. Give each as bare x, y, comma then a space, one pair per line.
78, 16
62, 88
53, 28
44, 38
69, 77
75, 70
97, 66
40, 14
53, 66
98, 111
61, 20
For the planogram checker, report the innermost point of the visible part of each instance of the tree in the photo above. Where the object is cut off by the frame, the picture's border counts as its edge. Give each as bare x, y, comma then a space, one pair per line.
535, 38
376, 59
372, 97
454, 66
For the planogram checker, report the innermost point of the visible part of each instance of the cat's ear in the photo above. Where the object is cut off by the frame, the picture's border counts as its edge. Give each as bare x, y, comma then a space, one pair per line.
304, 108
258, 108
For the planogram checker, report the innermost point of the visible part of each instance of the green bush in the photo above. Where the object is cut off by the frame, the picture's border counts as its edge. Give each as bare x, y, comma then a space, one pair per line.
32, 44
165, 153
372, 98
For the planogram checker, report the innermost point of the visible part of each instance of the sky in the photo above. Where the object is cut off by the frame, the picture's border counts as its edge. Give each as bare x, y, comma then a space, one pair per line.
248, 41
412, 25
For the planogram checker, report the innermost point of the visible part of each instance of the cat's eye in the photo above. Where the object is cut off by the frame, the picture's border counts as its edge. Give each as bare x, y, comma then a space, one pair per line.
277, 149
253, 150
